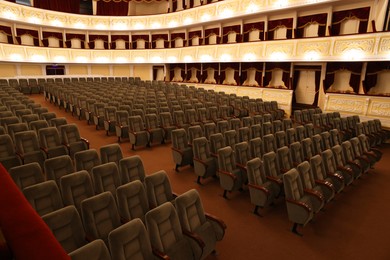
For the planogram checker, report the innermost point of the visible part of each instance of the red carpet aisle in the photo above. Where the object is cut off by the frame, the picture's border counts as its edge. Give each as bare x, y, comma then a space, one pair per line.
27, 235
354, 226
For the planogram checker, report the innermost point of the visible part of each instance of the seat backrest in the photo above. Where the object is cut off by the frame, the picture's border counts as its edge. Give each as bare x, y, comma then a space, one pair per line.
96, 249
162, 221
100, 215
132, 201
231, 138
223, 126
111, 153
335, 137
325, 140
194, 132
70, 133
106, 178
67, 228
201, 148
166, 119
269, 143
179, 139
306, 174
6, 146
307, 147
267, 128
292, 185
255, 170
57, 167
27, 175
216, 142
357, 150
242, 153
130, 241
256, 147
256, 131
58, 121
29, 118
131, 168
226, 159
271, 165
49, 137
26, 141
300, 133
158, 188
86, 160
44, 197
338, 155
16, 128
76, 187
284, 158
328, 161
317, 167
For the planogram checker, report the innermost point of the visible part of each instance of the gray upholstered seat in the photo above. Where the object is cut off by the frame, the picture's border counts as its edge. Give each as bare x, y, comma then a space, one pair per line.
230, 177
299, 206
8, 157
57, 167
137, 132
106, 178
122, 124
347, 170
27, 147
16, 128
319, 173
111, 153
167, 125
50, 142
273, 172
67, 228
181, 151
131, 168
94, 250
76, 187
193, 219
308, 182
132, 201
158, 189
261, 190
269, 143
38, 124
100, 215
44, 197
26, 175
204, 164
331, 170
164, 220
156, 133
71, 138
86, 160
131, 241
109, 119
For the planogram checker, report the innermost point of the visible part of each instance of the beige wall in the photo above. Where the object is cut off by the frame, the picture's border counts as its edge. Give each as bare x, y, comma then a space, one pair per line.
102, 70
121, 70
78, 70
31, 70
143, 71
8, 70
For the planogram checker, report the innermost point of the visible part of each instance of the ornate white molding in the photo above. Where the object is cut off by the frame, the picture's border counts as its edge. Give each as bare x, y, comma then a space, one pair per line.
321, 49
211, 12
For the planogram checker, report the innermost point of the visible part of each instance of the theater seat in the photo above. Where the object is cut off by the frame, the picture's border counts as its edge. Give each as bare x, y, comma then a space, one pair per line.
94, 250
158, 189
131, 168
204, 164
181, 151
26, 175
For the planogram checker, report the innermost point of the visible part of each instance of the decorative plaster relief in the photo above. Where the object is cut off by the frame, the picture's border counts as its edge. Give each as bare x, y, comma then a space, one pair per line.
343, 104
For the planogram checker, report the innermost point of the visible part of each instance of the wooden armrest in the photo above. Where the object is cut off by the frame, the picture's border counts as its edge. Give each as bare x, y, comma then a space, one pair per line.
177, 150
160, 254
354, 163
214, 155
89, 238
343, 168
241, 166
283, 170
85, 141
231, 175
220, 222
124, 220
338, 176
325, 183
174, 194
200, 161
276, 180
299, 203
195, 237
315, 193
45, 150
20, 156
363, 158
257, 187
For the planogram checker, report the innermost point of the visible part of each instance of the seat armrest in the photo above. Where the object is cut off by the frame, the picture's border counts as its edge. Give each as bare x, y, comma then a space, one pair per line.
241, 166
276, 180
335, 175
231, 175
20, 156
220, 222
160, 254
215, 155
200, 161
315, 193
325, 183
174, 194
354, 163
124, 220
46, 151
299, 203
85, 141
195, 237
257, 187
345, 169
363, 158
177, 150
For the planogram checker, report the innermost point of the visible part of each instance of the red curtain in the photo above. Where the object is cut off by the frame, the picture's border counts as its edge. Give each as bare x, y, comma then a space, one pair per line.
68, 6
156, 37
273, 25
33, 33
47, 35
373, 68
360, 13
210, 32
120, 37
270, 66
304, 21
234, 28
134, 39
245, 66
93, 38
112, 7
354, 67
175, 36
7, 31
215, 66
194, 34
253, 26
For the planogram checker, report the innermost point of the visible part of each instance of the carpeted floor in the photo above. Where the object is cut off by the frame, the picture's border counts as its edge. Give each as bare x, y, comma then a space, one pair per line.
353, 226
